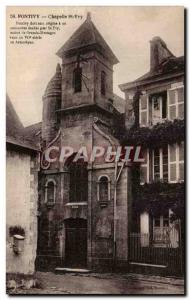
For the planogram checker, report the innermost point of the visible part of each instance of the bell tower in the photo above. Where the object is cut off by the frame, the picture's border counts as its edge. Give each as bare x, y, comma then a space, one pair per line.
87, 68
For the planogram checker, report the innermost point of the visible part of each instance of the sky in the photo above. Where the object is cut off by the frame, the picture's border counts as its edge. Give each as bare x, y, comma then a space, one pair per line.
127, 30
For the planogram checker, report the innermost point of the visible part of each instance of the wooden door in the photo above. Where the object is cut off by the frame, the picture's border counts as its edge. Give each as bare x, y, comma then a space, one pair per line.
76, 243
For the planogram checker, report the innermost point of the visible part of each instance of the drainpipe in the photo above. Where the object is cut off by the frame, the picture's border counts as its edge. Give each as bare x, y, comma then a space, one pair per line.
115, 208
115, 215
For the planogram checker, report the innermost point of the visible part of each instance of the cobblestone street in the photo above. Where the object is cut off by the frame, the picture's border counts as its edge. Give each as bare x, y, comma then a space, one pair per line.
92, 283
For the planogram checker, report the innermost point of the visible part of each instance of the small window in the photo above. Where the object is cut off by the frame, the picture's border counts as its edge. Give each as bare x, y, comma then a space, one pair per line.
160, 229
103, 189
160, 164
103, 83
159, 107
77, 80
50, 191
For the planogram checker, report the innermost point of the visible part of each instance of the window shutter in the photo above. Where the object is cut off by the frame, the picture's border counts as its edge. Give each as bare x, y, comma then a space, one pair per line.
172, 163
180, 101
156, 164
181, 161
143, 110
144, 168
176, 103
172, 104
165, 164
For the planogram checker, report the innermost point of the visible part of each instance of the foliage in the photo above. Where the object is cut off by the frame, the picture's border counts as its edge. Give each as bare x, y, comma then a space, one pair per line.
156, 197
160, 134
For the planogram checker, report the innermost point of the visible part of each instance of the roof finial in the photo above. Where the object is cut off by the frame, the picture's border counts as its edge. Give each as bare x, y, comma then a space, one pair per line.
88, 17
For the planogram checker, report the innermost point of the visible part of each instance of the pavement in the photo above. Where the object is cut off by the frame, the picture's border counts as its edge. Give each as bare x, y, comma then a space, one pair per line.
107, 284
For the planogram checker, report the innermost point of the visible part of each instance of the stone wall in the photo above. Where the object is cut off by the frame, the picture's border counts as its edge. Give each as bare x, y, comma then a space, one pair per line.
102, 221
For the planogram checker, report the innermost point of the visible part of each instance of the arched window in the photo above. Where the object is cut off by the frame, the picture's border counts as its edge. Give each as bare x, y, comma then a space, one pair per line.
103, 83
103, 189
50, 192
78, 173
77, 79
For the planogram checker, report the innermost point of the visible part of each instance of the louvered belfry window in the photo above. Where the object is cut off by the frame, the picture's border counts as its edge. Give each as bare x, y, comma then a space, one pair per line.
77, 79
103, 83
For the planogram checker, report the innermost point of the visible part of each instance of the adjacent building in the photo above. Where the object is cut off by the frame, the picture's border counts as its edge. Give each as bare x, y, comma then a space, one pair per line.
21, 198
154, 119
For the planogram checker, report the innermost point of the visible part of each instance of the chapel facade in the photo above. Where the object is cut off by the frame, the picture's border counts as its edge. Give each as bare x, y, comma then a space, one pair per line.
84, 206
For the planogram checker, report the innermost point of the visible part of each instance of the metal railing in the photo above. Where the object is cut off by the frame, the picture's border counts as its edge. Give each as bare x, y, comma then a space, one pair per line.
162, 249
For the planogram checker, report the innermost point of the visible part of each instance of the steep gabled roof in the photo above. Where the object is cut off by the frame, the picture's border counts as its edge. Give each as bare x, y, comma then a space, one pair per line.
87, 35
15, 131
13, 123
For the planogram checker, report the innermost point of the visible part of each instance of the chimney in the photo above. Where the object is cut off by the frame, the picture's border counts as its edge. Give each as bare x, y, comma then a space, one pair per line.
158, 53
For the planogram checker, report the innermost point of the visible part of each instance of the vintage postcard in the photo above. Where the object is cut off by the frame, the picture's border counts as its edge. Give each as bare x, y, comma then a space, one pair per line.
95, 150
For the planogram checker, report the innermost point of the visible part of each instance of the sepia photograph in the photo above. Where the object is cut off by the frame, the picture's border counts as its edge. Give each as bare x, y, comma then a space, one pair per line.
95, 137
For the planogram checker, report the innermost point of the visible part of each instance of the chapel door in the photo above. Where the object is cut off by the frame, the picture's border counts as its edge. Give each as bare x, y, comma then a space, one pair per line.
76, 243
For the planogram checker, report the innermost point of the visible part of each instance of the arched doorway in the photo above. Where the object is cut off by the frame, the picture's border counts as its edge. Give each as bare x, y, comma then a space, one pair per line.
76, 243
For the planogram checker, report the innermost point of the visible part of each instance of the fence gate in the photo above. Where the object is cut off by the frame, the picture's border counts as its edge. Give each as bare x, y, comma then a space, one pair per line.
161, 254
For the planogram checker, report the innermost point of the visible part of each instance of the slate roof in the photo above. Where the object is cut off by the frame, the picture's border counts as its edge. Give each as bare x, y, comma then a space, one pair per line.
32, 133
13, 123
84, 37
15, 131
172, 65
54, 85
119, 103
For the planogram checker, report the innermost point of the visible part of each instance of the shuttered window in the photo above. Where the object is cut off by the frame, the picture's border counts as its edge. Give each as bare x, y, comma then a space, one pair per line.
163, 164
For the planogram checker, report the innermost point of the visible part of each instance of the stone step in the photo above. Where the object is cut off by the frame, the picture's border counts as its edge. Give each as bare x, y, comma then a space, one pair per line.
70, 270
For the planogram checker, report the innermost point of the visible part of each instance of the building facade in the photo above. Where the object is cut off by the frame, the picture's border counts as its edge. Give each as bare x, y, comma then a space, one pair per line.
155, 120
